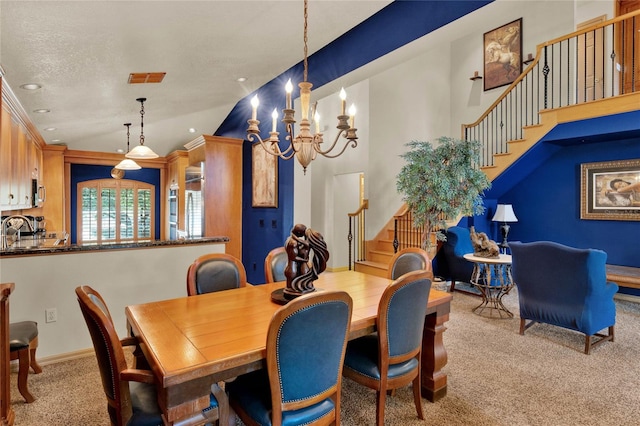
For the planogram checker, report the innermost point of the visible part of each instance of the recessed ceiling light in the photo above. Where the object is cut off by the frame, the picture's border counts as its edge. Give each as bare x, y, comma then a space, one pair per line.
192, 130
55, 140
31, 86
41, 111
241, 79
120, 150
49, 129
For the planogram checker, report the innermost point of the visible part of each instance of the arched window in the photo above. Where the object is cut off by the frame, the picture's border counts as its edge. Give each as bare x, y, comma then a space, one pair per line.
115, 211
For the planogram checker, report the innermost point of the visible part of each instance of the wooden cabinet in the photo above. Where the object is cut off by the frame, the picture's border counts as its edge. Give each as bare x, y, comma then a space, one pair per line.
177, 163
20, 155
221, 187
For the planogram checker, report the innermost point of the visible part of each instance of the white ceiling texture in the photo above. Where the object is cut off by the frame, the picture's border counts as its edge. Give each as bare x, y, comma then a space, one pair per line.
82, 52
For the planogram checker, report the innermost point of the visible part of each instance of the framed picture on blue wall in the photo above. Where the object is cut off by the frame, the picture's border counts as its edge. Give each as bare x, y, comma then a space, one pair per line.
264, 175
610, 190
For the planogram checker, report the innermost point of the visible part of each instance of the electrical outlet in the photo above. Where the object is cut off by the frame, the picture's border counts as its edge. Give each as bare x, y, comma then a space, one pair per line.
50, 315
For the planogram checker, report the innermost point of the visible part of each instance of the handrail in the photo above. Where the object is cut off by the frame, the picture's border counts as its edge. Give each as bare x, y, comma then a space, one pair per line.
557, 77
357, 225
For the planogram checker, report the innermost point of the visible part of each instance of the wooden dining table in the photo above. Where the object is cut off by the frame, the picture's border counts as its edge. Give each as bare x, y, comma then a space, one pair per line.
191, 342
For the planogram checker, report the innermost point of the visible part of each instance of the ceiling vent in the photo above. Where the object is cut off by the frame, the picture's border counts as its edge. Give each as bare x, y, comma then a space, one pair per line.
146, 77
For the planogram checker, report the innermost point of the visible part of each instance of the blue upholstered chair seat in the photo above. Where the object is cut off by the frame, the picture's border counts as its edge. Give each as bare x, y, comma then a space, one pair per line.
362, 356
253, 393
144, 404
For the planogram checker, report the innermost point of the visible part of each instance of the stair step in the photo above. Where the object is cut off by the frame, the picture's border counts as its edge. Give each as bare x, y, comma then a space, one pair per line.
372, 268
378, 256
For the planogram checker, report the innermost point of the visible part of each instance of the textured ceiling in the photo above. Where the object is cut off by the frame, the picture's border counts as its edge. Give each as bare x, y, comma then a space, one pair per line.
82, 53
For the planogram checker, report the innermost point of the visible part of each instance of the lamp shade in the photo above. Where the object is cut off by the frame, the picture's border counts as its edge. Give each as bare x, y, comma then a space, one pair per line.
504, 213
141, 152
128, 164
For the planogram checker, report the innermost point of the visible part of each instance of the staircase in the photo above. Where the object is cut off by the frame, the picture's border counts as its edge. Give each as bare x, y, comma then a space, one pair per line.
558, 99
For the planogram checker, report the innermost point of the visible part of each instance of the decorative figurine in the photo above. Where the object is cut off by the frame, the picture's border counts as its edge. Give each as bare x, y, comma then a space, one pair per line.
307, 257
482, 245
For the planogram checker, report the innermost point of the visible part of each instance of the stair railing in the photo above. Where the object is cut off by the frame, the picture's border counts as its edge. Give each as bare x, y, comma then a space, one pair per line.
405, 233
559, 77
357, 222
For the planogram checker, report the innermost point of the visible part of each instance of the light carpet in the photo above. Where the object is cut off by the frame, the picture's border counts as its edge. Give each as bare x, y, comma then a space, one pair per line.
495, 377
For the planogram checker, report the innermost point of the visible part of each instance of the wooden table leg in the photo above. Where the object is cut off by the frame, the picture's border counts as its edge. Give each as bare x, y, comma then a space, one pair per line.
434, 354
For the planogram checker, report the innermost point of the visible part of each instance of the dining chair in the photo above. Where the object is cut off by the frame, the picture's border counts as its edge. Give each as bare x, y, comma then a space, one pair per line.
23, 343
131, 392
215, 272
275, 264
305, 346
391, 358
407, 260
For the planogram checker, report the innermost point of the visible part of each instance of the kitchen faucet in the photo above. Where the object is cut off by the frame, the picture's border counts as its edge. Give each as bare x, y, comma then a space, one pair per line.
14, 222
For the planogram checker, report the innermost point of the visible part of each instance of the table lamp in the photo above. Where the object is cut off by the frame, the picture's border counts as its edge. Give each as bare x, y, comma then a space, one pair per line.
504, 214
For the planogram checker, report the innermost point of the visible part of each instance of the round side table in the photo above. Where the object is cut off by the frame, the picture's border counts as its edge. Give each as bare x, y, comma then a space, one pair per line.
492, 276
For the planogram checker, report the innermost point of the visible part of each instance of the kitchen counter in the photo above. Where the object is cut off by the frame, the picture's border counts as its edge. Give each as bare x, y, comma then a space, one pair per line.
124, 275
60, 249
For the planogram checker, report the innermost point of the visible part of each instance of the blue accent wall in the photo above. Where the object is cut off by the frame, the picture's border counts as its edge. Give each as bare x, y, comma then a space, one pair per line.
545, 188
83, 172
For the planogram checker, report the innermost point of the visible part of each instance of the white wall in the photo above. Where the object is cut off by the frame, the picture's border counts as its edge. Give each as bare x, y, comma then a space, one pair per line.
421, 92
122, 277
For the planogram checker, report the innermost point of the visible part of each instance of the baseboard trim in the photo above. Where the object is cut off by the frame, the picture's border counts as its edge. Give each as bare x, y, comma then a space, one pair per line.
53, 359
627, 297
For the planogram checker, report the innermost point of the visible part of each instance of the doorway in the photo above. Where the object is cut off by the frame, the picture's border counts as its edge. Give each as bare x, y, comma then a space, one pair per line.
629, 31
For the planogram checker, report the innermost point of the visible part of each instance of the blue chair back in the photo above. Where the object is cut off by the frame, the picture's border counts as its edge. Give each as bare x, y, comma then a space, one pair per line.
563, 286
407, 260
275, 264
401, 314
458, 243
215, 272
306, 344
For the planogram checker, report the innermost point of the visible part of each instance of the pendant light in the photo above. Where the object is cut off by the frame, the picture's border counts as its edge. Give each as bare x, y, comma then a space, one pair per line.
128, 164
141, 152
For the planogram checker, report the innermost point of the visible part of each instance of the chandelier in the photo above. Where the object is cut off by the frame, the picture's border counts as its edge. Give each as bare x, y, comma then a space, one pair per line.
127, 163
305, 145
141, 152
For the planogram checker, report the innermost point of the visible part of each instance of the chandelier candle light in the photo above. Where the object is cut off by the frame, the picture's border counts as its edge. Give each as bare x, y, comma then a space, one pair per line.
141, 152
306, 145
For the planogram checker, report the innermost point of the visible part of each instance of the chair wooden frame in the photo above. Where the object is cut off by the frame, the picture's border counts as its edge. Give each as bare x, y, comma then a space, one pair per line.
385, 384
268, 263
26, 357
7, 415
193, 268
122, 374
405, 251
278, 406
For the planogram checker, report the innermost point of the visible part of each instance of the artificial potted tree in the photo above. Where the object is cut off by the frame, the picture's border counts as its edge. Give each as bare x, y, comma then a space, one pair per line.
441, 181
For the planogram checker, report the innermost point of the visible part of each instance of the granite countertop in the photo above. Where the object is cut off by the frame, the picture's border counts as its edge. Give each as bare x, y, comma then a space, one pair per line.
24, 251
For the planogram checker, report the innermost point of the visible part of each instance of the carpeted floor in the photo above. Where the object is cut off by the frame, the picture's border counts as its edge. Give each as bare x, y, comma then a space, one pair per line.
495, 377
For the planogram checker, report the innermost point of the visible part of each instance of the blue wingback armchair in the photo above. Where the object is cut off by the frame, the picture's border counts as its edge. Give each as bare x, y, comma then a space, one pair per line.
454, 266
564, 286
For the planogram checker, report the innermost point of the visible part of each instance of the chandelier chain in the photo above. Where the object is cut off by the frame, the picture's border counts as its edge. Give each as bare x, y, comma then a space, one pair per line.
141, 122
304, 76
128, 124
